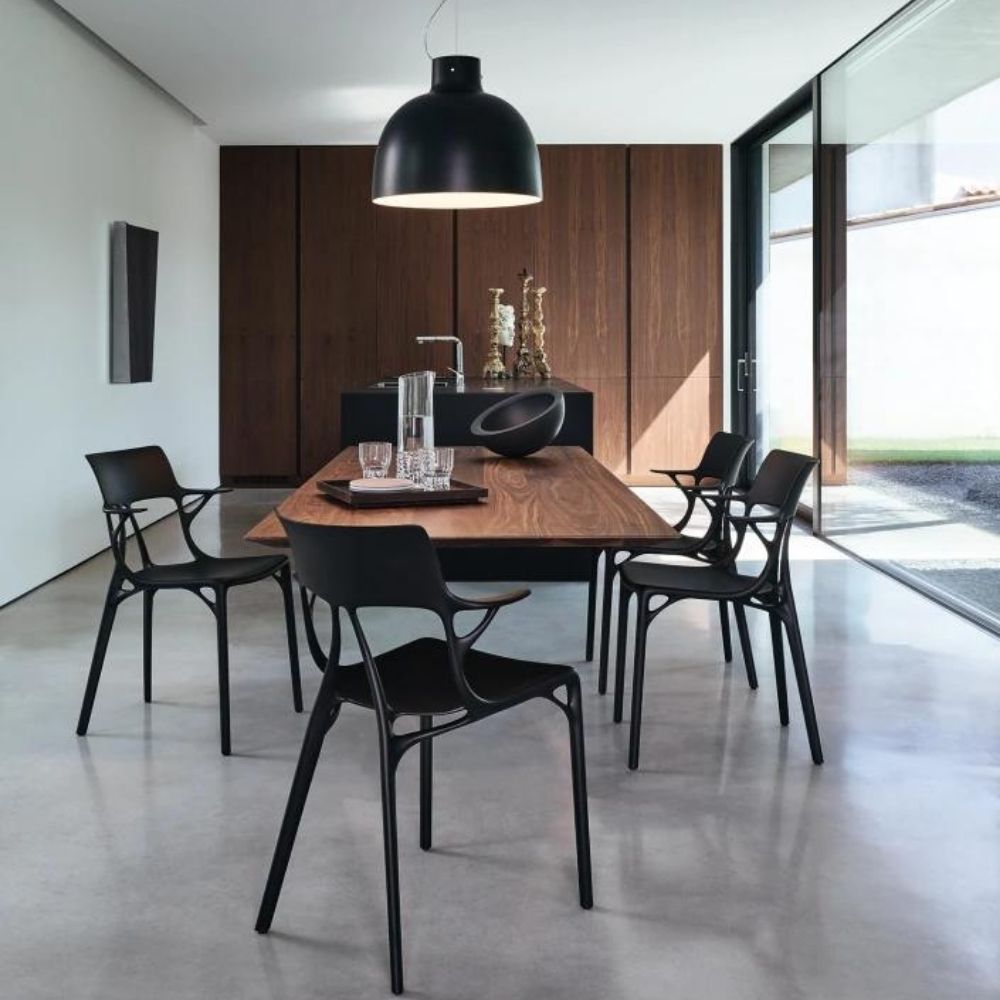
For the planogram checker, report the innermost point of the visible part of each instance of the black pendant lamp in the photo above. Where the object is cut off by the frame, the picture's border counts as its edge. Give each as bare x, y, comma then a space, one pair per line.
456, 147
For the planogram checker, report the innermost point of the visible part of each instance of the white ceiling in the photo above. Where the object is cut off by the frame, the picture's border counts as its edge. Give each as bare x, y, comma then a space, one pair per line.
332, 71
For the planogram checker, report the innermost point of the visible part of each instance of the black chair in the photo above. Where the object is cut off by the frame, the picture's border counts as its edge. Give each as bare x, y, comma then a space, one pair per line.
135, 474
397, 567
710, 481
777, 488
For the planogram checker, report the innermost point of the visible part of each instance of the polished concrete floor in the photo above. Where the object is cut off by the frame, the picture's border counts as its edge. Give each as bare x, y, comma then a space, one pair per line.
132, 861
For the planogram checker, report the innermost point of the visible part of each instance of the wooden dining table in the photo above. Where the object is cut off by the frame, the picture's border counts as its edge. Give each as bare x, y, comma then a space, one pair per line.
560, 496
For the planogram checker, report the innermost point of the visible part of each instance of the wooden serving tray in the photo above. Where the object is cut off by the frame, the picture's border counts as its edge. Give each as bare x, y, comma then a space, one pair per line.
340, 490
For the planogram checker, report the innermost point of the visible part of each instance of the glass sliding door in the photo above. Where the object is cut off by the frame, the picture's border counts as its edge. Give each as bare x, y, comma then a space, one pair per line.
773, 365
909, 289
780, 365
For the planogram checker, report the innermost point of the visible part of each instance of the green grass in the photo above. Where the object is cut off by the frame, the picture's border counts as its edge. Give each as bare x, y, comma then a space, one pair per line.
873, 451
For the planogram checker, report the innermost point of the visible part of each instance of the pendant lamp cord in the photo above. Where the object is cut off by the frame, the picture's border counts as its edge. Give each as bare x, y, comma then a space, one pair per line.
430, 21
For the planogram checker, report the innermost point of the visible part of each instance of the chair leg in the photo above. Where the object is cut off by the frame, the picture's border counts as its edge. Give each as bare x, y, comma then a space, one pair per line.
778, 645
147, 645
285, 582
727, 639
574, 712
802, 681
391, 868
324, 711
624, 599
741, 626
638, 676
222, 641
592, 604
610, 569
97, 661
426, 783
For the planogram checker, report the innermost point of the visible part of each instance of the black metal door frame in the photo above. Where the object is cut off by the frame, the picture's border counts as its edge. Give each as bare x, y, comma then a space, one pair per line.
746, 166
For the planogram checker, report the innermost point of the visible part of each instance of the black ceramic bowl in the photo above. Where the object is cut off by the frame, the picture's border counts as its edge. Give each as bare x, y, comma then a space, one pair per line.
521, 424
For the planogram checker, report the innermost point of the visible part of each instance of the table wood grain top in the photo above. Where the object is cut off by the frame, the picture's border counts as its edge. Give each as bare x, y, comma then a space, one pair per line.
556, 497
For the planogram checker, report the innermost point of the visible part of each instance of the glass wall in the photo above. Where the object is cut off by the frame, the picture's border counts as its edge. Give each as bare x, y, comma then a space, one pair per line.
909, 334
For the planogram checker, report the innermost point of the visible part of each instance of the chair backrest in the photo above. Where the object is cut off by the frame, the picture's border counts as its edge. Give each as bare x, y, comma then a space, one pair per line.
131, 475
780, 481
778, 486
723, 457
134, 474
355, 568
368, 567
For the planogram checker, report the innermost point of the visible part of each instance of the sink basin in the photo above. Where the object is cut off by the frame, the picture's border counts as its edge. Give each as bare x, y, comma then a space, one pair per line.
391, 383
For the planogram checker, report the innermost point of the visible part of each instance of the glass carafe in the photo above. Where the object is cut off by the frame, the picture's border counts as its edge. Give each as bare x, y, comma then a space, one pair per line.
415, 438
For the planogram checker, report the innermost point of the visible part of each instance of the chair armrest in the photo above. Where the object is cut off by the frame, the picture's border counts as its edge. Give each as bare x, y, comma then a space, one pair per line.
205, 493
496, 601
696, 486
124, 509
675, 472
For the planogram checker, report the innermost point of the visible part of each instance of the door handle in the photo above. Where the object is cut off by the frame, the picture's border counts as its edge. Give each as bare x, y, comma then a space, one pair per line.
741, 372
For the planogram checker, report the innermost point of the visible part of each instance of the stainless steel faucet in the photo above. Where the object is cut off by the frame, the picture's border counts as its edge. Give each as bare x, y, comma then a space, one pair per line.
459, 369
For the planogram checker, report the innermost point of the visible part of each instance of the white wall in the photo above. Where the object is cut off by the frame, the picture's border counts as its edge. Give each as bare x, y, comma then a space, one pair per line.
84, 142
923, 333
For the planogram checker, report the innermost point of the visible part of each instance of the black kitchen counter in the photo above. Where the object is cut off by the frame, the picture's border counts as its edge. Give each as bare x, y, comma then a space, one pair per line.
370, 413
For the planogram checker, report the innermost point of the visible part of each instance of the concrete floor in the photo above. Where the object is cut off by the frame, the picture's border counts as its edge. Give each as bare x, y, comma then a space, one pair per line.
727, 867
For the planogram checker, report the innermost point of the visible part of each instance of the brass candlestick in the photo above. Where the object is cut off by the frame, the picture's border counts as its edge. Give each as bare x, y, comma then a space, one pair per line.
542, 367
525, 365
494, 367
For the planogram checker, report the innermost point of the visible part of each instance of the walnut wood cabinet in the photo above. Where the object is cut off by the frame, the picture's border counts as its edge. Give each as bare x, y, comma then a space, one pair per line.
258, 328
322, 291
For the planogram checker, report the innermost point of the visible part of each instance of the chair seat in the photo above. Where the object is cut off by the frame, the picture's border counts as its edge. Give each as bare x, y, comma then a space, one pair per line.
209, 570
688, 581
417, 678
668, 546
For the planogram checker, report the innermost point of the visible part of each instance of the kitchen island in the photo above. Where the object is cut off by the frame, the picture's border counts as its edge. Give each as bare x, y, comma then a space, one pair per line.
370, 413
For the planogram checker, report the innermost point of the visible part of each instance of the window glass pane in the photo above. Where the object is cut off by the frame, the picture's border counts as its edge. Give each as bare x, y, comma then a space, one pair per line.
910, 348
780, 370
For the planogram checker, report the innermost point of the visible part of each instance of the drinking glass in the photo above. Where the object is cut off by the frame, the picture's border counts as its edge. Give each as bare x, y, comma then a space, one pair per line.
374, 457
439, 463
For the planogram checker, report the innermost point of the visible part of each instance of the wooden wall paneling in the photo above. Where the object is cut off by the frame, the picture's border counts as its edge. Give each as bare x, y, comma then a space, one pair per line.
672, 419
492, 246
414, 254
581, 259
574, 243
676, 282
258, 391
337, 308
610, 420
676, 303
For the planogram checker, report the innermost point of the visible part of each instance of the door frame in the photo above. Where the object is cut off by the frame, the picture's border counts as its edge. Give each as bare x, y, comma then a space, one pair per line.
745, 218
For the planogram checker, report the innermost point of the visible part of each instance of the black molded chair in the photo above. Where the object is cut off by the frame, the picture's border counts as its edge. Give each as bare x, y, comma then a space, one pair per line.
397, 567
777, 487
711, 480
136, 474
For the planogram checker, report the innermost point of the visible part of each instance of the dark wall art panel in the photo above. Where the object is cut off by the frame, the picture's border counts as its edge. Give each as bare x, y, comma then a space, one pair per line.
133, 302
